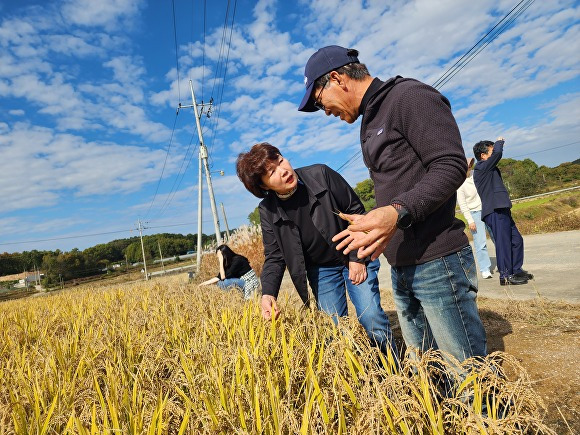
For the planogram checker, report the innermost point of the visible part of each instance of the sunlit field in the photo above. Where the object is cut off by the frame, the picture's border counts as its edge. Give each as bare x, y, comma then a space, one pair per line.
168, 357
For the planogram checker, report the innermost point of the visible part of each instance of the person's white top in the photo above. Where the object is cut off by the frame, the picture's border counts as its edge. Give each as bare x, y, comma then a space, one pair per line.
468, 199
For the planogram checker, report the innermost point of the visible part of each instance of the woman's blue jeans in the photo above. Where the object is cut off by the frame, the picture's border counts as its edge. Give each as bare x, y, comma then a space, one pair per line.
480, 242
436, 305
329, 285
230, 283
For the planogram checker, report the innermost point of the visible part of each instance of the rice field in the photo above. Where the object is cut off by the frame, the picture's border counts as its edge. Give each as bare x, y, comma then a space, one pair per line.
168, 357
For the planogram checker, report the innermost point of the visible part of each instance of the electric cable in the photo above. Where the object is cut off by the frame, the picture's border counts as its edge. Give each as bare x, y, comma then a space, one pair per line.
98, 234
484, 45
176, 52
467, 57
221, 93
451, 68
164, 164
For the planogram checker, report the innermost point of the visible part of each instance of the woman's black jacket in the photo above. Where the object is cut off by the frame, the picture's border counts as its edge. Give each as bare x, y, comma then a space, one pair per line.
327, 192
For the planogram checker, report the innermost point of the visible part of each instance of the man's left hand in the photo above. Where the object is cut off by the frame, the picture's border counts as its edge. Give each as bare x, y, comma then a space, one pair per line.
368, 233
357, 272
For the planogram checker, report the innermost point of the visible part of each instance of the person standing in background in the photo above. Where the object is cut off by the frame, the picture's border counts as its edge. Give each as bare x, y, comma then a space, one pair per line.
496, 213
470, 204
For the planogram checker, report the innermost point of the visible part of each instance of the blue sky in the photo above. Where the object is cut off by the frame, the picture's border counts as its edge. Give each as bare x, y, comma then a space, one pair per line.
89, 91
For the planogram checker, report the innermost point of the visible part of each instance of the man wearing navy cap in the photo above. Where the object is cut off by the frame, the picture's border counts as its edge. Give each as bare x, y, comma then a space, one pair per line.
411, 144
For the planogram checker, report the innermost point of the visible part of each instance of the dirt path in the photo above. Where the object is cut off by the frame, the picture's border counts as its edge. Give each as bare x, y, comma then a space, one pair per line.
545, 338
553, 258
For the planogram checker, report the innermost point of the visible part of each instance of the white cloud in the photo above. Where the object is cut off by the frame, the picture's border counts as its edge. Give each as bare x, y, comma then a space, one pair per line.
105, 13
59, 164
105, 103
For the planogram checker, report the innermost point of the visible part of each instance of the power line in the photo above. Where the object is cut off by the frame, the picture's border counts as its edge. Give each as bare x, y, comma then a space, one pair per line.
203, 51
492, 34
179, 177
164, 164
64, 237
221, 94
96, 234
189, 157
176, 51
349, 161
440, 80
546, 149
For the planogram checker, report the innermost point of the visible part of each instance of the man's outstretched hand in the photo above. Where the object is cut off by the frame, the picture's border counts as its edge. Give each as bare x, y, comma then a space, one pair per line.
369, 233
269, 307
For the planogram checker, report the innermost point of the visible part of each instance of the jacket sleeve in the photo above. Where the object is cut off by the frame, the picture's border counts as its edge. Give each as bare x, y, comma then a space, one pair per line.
495, 157
274, 264
462, 203
427, 123
347, 200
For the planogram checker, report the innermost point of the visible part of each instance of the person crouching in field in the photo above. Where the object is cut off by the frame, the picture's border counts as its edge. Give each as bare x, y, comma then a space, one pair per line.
298, 219
235, 272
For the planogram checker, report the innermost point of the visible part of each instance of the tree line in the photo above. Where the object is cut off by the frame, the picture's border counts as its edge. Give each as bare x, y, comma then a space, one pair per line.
57, 265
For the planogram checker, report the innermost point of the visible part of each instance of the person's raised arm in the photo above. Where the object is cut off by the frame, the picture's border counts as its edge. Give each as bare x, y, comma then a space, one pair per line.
496, 154
221, 263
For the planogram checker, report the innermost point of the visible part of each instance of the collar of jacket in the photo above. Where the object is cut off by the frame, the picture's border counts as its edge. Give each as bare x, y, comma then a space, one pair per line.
314, 189
375, 90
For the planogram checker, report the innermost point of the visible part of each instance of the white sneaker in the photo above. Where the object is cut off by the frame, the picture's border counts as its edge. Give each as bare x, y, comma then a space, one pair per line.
486, 274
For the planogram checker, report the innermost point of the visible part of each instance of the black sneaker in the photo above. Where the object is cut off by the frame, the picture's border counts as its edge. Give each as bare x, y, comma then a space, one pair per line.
513, 280
524, 274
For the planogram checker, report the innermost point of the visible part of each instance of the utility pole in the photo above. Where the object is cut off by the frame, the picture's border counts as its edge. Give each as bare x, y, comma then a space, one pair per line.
199, 218
161, 256
203, 163
143, 249
36, 276
225, 220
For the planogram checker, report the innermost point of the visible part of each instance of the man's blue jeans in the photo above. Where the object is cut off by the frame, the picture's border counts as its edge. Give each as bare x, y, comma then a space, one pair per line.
480, 242
328, 285
436, 305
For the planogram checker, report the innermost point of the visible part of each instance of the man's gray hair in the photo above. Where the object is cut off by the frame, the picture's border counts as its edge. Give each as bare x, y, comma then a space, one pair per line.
356, 71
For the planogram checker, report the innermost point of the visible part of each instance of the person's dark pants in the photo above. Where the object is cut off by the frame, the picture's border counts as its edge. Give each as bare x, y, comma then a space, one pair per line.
509, 244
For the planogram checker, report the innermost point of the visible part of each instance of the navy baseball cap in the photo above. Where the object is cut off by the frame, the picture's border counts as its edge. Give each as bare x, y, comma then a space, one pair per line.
323, 61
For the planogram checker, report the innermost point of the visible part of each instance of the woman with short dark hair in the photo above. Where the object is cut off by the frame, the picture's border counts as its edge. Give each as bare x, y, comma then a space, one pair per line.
298, 219
234, 272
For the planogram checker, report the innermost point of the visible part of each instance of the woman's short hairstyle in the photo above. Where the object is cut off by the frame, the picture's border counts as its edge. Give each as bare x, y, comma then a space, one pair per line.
252, 165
